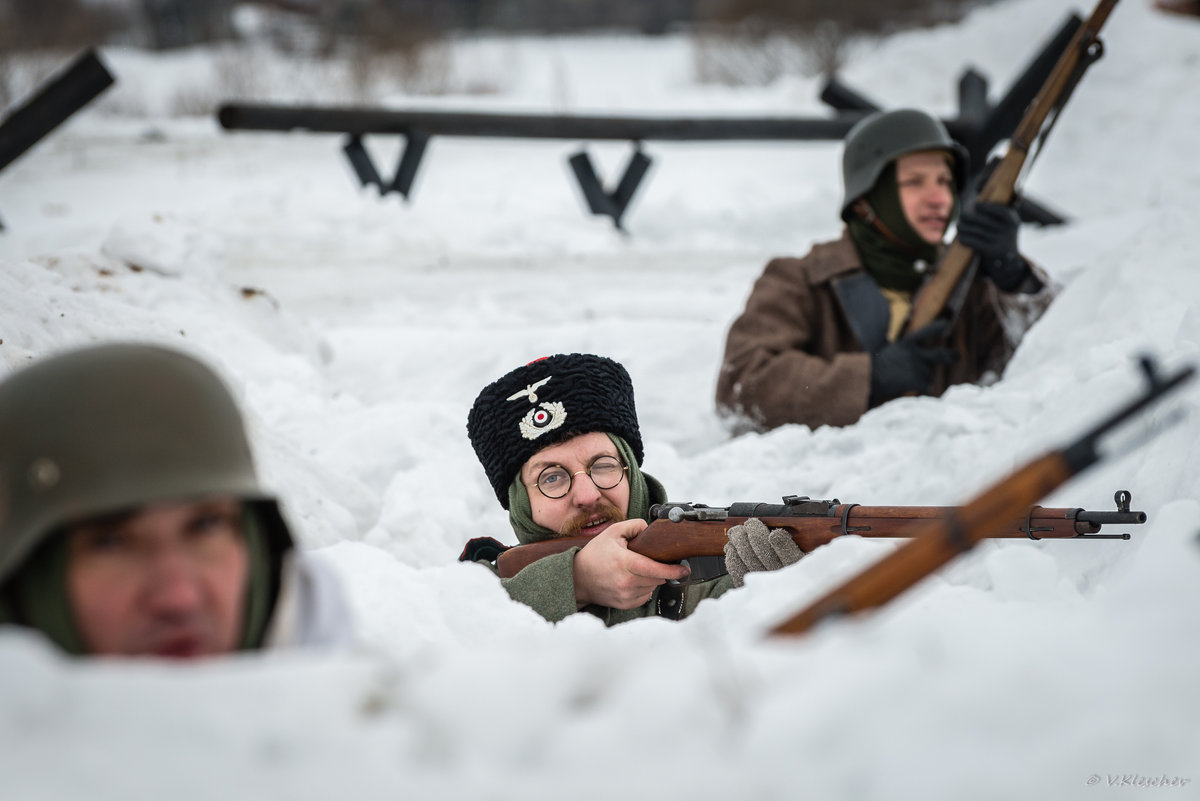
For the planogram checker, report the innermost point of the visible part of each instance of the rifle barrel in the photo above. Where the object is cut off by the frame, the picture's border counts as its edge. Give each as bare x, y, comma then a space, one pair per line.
1111, 518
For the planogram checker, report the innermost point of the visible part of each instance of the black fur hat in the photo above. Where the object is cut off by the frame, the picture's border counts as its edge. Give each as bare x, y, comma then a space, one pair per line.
545, 402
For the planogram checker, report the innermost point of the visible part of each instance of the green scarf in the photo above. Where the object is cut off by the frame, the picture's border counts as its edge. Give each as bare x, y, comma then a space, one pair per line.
39, 595
260, 586
892, 264
644, 491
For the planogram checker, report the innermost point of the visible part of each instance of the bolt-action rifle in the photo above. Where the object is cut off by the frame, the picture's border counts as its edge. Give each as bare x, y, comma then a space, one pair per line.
946, 289
936, 542
679, 531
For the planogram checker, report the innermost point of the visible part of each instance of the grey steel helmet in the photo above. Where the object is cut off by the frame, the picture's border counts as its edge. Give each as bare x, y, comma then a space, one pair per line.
877, 140
110, 428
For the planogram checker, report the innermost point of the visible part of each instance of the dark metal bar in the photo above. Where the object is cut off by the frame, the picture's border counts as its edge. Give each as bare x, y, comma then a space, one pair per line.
1032, 211
639, 163
52, 104
414, 149
1083, 451
972, 97
368, 174
362, 121
1111, 518
361, 161
841, 97
597, 199
610, 204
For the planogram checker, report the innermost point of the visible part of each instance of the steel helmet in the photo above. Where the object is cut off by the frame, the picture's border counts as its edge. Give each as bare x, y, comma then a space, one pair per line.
877, 140
110, 428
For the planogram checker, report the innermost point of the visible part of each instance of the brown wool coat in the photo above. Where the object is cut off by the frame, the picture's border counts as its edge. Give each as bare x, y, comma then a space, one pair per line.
794, 356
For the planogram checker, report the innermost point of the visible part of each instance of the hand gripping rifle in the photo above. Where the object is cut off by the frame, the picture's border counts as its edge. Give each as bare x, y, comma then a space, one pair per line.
936, 542
946, 289
679, 531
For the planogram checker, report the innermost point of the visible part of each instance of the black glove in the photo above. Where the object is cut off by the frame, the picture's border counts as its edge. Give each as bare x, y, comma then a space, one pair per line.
990, 229
906, 365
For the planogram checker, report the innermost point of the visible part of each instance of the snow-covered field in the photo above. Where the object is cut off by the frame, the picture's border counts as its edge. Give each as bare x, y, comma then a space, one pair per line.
357, 331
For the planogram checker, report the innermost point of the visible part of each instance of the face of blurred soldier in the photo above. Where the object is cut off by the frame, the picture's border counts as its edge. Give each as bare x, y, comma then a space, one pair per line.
585, 508
167, 580
926, 185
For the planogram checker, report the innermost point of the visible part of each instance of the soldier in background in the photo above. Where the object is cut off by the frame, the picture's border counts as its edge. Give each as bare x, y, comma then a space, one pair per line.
132, 522
819, 340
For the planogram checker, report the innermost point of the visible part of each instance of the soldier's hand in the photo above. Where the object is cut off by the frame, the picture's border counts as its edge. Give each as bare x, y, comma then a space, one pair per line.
752, 546
990, 229
607, 573
906, 365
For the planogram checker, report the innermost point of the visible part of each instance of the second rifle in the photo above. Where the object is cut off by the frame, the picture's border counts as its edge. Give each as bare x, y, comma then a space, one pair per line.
946, 288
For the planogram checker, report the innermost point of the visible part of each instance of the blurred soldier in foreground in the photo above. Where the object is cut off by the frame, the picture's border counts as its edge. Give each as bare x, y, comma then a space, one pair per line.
820, 340
560, 443
132, 522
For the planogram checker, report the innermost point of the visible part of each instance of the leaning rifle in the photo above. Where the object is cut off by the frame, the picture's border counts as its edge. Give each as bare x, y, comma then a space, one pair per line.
936, 542
679, 531
946, 289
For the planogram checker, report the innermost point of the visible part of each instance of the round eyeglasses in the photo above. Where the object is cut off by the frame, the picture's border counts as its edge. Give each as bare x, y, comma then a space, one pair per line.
555, 481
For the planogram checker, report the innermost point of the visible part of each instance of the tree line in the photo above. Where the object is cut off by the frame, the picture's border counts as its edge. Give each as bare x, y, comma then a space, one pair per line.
167, 24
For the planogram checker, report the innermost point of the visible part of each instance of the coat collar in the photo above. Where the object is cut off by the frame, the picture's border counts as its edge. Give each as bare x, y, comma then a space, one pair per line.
833, 259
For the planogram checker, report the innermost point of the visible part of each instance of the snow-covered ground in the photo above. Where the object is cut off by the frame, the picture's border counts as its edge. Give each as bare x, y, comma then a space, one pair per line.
357, 331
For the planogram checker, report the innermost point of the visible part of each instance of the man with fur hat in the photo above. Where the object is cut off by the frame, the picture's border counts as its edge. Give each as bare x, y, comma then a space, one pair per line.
819, 340
132, 522
560, 443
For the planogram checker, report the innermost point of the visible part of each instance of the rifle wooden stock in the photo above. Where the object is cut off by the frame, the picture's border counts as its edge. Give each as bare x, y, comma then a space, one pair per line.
936, 292
936, 542
670, 541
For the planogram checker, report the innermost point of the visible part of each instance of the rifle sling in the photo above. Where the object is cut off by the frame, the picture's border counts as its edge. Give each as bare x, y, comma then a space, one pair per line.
670, 601
865, 307
704, 568
1092, 52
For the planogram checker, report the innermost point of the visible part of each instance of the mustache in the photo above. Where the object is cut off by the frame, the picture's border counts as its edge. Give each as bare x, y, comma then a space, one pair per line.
601, 510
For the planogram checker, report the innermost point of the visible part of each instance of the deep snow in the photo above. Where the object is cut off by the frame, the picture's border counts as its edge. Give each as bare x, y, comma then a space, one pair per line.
357, 331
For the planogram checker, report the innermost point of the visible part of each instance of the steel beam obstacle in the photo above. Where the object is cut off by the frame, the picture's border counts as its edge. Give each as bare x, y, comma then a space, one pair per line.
51, 105
979, 126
